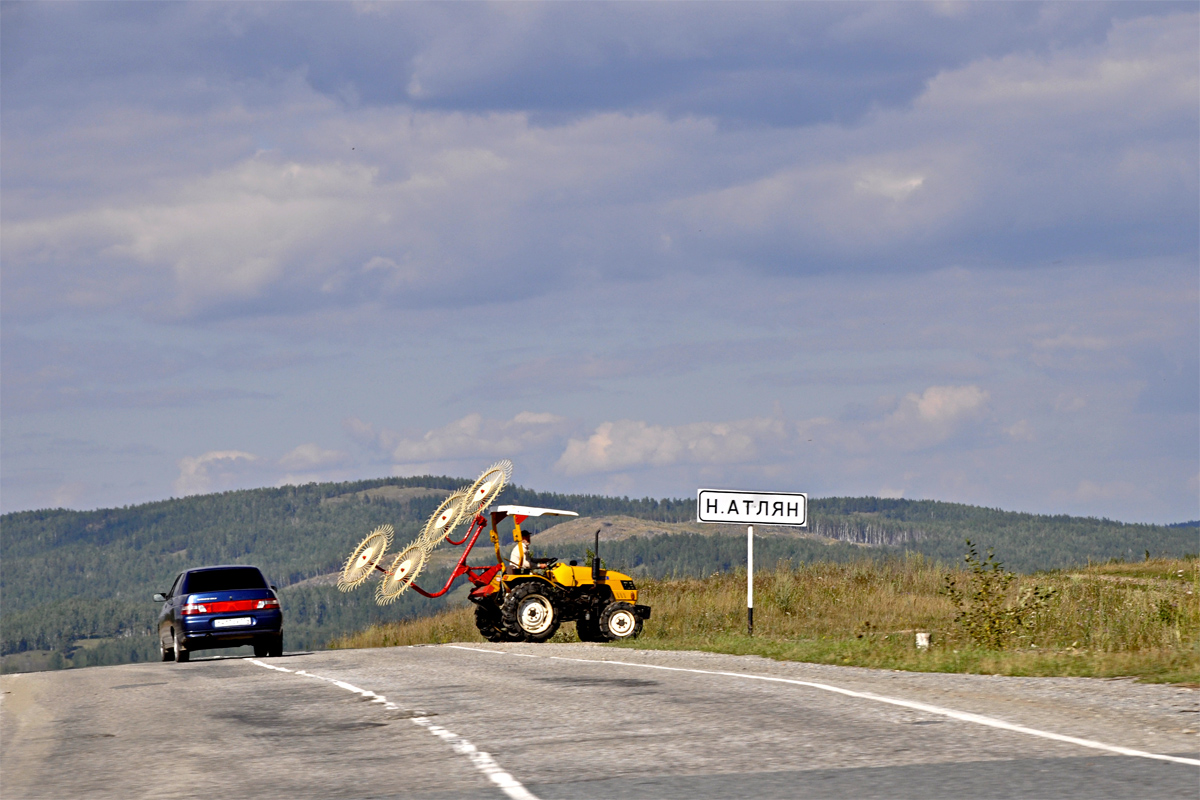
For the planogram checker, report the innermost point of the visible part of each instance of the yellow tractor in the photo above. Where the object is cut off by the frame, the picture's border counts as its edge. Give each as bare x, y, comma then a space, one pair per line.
530, 604
511, 604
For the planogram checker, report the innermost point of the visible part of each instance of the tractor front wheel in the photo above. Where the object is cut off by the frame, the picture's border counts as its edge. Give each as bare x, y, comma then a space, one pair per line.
618, 621
530, 611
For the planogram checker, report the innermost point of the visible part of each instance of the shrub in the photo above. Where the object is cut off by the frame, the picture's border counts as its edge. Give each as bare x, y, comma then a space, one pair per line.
987, 615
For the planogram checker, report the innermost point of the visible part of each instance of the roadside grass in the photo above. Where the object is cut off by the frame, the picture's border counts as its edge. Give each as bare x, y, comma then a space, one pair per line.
451, 625
1120, 619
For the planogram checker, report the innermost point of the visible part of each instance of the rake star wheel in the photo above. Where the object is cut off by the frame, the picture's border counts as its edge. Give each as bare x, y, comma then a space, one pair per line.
444, 519
404, 570
486, 488
366, 556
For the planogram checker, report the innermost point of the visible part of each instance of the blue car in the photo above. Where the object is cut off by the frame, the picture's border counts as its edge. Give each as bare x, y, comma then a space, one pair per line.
213, 607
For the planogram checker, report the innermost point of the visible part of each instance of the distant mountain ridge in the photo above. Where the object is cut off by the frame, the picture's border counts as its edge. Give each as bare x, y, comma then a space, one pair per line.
76, 585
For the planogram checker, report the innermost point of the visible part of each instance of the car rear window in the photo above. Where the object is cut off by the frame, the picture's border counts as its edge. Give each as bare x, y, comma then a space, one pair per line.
222, 580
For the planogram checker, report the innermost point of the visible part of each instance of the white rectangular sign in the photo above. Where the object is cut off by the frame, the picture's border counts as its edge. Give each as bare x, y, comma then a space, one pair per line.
752, 508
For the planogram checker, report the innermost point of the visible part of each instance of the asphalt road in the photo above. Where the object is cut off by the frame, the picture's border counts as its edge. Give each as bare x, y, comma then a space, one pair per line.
565, 721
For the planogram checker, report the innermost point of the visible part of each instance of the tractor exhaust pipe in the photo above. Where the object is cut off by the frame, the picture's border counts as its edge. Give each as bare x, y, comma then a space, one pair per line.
596, 559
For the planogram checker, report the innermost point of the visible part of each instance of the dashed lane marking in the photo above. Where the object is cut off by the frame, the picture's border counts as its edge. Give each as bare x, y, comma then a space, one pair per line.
964, 716
482, 761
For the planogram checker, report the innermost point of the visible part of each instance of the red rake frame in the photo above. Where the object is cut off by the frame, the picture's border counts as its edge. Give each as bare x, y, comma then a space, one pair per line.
480, 576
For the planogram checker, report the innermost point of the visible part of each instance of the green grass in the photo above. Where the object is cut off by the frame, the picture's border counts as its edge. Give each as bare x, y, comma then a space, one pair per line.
1138, 619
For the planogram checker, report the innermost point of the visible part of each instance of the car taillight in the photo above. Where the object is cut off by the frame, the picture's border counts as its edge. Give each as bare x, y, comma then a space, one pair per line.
228, 606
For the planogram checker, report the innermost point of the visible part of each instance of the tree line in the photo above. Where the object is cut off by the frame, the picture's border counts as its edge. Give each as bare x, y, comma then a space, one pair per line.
77, 585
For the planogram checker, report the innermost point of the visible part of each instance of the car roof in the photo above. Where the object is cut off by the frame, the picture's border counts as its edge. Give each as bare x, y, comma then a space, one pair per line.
222, 566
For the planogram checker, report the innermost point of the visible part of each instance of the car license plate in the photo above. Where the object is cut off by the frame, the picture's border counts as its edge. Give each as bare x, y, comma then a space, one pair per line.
233, 622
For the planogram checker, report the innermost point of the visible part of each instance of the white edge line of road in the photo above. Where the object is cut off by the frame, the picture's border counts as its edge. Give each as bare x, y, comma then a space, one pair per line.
964, 716
481, 760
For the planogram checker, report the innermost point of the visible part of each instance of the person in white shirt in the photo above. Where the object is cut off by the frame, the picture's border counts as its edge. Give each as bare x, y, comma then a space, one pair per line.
518, 561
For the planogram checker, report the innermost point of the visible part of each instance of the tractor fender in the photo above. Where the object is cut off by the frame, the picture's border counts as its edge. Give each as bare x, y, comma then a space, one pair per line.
517, 580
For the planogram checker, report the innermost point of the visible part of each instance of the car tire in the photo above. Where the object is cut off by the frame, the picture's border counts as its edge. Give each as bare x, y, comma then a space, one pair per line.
531, 611
167, 653
181, 655
262, 648
276, 648
619, 622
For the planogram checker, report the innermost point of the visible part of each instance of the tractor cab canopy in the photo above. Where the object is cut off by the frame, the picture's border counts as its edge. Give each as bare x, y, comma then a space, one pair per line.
521, 513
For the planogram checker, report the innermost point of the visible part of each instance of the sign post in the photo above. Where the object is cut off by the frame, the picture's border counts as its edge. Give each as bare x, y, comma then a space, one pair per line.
767, 508
750, 580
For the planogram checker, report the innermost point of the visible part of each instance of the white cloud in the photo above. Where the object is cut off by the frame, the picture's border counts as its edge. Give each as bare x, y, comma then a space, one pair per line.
1072, 341
918, 421
1021, 431
810, 260
1147, 64
996, 148
470, 437
226, 237
933, 416
944, 404
224, 470
68, 494
632, 444
311, 456
1106, 493
212, 471
999, 147
894, 187
1068, 404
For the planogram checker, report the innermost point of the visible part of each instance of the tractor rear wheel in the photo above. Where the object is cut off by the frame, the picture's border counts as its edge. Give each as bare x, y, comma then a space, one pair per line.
487, 620
618, 621
531, 611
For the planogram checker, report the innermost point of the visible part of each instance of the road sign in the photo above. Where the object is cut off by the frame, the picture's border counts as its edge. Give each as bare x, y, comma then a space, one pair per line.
752, 508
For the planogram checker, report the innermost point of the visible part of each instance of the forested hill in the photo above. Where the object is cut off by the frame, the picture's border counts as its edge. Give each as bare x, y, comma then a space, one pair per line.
76, 585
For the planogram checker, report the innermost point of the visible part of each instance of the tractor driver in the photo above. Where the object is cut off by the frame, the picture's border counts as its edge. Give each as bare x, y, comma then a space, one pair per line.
518, 561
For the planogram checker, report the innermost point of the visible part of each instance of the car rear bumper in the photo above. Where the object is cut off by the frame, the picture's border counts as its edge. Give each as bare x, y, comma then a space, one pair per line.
199, 632
215, 641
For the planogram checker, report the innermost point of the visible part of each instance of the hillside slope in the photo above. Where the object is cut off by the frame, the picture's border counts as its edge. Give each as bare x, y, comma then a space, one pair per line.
76, 585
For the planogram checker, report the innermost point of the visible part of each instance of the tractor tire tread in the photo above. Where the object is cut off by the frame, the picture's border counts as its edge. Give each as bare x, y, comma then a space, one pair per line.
512, 603
625, 610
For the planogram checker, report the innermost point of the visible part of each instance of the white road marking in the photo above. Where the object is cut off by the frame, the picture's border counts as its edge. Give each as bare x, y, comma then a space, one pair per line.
479, 650
481, 760
964, 716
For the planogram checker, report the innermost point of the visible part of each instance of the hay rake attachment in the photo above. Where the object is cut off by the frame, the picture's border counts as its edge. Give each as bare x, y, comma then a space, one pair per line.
467, 503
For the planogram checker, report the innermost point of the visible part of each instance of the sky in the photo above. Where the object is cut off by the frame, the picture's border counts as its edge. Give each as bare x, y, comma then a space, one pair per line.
943, 251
